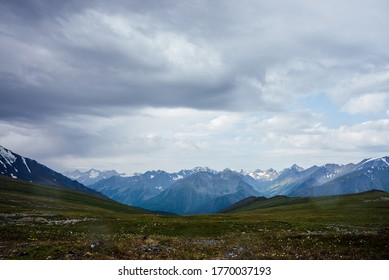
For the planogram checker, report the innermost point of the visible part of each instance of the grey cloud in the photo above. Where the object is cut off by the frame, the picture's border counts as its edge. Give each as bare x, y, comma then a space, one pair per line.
90, 56
96, 70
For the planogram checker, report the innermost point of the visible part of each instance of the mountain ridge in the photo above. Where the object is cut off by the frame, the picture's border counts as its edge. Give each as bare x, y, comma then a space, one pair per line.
18, 167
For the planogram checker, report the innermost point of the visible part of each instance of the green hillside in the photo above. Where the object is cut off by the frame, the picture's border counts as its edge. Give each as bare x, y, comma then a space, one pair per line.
39, 222
19, 196
368, 207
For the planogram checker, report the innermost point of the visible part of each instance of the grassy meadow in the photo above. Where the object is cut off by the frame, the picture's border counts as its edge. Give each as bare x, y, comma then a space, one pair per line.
38, 222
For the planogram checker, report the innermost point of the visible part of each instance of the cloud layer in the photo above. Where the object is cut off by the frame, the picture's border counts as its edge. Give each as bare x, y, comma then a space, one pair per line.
240, 84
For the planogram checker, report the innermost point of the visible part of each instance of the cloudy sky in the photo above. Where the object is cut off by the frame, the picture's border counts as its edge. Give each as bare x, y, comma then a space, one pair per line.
139, 85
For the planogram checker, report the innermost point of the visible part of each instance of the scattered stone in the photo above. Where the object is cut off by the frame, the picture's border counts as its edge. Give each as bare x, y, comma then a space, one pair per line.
22, 254
230, 255
94, 244
155, 248
211, 242
235, 252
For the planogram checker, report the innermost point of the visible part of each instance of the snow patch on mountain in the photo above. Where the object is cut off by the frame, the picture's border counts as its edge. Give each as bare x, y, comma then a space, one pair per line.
3, 164
8, 156
266, 175
177, 177
374, 159
203, 169
25, 163
93, 174
380, 162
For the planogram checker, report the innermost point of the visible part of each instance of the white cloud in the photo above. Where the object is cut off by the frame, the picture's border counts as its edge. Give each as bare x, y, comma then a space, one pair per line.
223, 122
370, 135
364, 92
368, 103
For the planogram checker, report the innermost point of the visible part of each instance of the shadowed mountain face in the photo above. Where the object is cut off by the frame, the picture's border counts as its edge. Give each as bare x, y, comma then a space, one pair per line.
16, 166
331, 179
364, 176
202, 193
133, 190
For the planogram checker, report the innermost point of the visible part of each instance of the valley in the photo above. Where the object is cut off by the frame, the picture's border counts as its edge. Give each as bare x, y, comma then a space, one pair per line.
40, 222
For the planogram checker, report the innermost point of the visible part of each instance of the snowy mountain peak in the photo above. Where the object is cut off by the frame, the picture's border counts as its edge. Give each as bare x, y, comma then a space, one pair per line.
266, 175
91, 176
379, 162
203, 169
7, 155
94, 173
297, 168
293, 169
379, 159
22, 168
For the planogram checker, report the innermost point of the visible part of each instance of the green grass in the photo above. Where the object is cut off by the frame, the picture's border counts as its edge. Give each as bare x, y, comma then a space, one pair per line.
28, 196
49, 223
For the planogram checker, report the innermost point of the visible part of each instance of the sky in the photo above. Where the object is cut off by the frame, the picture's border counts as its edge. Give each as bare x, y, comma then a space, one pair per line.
147, 85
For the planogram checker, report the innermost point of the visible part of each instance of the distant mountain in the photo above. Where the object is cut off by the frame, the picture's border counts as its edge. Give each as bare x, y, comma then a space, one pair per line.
91, 176
134, 190
202, 192
367, 175
266, 175
16, 166
296, 177
381, 163
329, 179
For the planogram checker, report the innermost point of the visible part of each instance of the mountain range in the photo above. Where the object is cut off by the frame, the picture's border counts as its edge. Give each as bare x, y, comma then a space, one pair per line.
203, 190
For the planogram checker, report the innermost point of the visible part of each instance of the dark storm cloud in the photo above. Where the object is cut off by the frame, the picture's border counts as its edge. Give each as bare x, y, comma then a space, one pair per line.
66, 57
73, 58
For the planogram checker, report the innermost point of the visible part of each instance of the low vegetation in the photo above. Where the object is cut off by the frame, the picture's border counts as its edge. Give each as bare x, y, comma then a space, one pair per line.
39, 222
